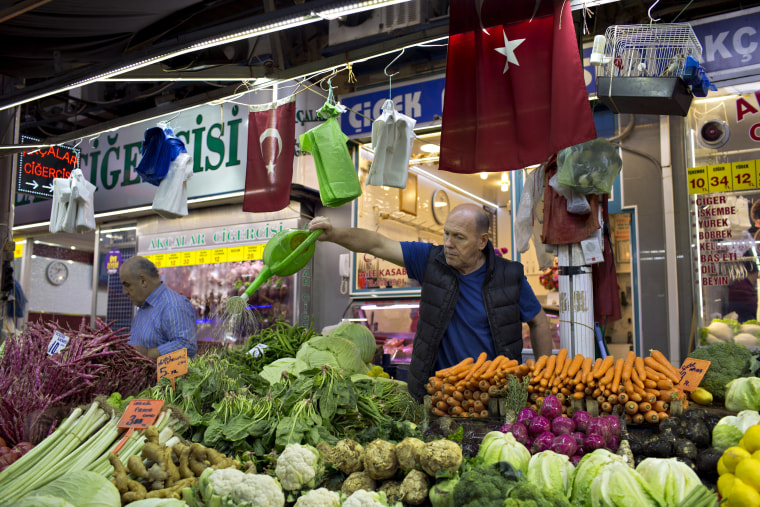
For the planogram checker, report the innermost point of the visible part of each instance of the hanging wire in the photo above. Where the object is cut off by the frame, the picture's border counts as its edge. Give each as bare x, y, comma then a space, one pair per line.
390, 76
649, 12
682, 10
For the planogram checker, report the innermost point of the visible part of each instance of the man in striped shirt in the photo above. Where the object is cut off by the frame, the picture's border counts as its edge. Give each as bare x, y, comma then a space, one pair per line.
165, 320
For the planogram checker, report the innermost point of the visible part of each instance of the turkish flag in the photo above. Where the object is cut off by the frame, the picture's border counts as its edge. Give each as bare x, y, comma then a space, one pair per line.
271, 148
515, 95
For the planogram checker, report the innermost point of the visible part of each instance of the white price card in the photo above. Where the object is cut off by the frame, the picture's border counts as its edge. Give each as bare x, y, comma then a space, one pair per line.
57, 343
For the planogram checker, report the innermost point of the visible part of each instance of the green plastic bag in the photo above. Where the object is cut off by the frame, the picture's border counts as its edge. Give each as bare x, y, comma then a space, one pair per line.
590, 167
336, 174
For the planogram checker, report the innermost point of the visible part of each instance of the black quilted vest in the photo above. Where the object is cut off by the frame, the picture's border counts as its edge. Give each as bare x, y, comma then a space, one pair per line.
440, 289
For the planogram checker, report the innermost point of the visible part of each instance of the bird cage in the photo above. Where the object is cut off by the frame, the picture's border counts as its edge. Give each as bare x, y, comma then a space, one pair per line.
653, 50
640, 68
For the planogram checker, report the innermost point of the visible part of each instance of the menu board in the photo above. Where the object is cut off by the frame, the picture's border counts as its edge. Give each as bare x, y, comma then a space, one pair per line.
713, 216
729, 177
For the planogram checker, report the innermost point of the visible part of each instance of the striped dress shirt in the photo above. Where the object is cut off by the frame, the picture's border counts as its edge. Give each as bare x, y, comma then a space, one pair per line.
166, 321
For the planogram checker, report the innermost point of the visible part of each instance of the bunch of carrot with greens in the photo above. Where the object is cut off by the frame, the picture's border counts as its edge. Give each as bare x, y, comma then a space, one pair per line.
463, 390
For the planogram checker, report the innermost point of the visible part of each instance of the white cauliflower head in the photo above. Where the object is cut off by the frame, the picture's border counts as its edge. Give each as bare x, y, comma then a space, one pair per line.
364, 498
254, 489
321, 497
298, 467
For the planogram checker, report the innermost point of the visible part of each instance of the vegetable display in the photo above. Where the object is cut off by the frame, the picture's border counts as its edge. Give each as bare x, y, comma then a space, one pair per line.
37, 387
739, 469
743, 394
728, 361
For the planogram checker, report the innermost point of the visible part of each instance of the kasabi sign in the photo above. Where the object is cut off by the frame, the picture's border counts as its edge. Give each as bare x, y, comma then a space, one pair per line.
214, 135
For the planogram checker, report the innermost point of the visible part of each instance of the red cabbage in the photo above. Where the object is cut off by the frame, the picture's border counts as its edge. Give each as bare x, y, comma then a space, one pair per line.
562, 426
581, 418
613, 422
613, 443
526, 415
579, 437
598, 426
594, 442
575, 459
542, 442
551, 407
564, 444
538, 425
520, 433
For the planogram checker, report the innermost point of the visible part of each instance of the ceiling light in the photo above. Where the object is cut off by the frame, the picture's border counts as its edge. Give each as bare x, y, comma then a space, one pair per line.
483, 176
359, 7
505, 187
430, 148
504, 177
417, 170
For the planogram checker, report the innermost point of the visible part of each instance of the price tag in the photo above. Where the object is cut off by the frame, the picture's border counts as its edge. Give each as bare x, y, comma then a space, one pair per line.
258, 350
172, 365
719, 178
172, 259
159, 260
235, 254
744, 175
140, 414
188, 258
219, 255
254, 252
691, 373
696, 179
57, 343
203, 256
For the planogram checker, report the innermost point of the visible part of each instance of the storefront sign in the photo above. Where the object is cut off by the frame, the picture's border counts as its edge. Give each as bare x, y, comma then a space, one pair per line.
230, 236
216, 136
113, 261
728, 177
419, 99
730, 46
38, 167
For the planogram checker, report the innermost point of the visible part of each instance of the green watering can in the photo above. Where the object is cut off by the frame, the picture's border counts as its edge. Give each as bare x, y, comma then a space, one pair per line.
286, 253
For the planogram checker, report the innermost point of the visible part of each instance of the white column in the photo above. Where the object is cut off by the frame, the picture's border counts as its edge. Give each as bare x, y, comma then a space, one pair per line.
576, 302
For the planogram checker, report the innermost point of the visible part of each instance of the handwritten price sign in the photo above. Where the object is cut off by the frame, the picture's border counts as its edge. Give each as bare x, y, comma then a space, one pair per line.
691, 373
172, 365
140, 414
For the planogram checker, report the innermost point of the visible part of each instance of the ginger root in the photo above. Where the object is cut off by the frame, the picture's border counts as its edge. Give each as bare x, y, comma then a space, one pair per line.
136, 466
174, 491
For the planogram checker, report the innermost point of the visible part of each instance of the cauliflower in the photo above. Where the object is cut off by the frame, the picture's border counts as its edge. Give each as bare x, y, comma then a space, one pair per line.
321, 497
363, 498
229, 486
298, 467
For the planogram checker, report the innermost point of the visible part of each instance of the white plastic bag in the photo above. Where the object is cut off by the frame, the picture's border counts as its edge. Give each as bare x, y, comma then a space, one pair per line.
577, 203
524, 216
170, 200
61, 194
392, 139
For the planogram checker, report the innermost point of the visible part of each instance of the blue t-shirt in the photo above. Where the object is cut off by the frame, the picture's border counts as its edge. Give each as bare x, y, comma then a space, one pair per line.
468, 333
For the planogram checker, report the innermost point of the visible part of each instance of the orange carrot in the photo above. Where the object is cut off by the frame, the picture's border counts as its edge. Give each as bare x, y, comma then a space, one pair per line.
652, 374
489, 373
586, 368
575, 365
636, 380
607, 378
595, 368
628, 365
651, 416
477, 364
662, 369
457, 368
607, 363
660, 358
560, 362
638, 363
660, 406
551, 363
617, 374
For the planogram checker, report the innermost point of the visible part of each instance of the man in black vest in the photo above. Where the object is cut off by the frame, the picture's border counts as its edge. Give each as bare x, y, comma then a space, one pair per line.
472, 300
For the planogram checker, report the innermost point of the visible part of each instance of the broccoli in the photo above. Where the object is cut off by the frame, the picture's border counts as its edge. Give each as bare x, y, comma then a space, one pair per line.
727, 362
526, 494
485, 486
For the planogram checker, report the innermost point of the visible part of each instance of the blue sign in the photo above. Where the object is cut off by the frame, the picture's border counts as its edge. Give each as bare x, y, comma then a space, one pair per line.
730, 45
421, 100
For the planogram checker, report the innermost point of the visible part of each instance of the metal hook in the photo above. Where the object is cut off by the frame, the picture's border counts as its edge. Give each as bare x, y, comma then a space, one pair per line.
390, 76
79, 141
649, 12
91, 141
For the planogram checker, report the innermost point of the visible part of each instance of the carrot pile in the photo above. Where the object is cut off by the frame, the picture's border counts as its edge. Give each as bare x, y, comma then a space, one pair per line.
643, 387
463, 390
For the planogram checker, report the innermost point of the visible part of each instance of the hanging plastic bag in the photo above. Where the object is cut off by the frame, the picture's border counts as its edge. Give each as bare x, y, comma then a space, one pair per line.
83, 196
590, 167
170, 200
524, 217
336, 174
61, 194
392, 140
159, 148
576, 202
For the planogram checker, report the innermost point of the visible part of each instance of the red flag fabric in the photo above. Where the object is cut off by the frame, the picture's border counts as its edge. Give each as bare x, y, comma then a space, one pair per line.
516, 94
271, 148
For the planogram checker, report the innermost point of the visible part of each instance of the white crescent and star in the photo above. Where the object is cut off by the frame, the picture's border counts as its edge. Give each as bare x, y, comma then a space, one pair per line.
270, 132
509, 51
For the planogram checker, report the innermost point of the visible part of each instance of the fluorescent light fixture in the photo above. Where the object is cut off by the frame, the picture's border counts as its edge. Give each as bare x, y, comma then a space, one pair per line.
417, 170
292, 22
359, 7
577, 5
505, 187
430, 148
120, 229
390, 307
355, 320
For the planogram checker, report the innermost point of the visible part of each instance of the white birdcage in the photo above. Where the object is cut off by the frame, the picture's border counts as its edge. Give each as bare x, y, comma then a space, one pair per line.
653, 50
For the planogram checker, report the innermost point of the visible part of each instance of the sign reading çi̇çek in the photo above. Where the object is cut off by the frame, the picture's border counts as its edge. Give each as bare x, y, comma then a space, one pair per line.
38, 166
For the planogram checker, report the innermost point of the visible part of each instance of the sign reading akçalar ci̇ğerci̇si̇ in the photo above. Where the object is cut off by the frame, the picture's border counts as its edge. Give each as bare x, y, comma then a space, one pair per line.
38, 167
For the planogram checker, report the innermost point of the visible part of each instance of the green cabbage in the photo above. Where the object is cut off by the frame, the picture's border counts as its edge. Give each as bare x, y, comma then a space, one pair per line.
669, 479
273, 371
730, 429
359, 335
743, 394
81, 488
619, 485
589, 467
337, 352
158, 502
497, 446
552, 471
43, 501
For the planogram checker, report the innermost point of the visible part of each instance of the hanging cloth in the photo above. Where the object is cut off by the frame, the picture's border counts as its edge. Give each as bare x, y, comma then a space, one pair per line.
159, 148
84, 199
170, 200
61, 194
392, 139
336, 174
604, 277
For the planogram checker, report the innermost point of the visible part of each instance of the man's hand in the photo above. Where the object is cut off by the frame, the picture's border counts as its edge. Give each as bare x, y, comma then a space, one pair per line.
540, 335
324, 224
149, 353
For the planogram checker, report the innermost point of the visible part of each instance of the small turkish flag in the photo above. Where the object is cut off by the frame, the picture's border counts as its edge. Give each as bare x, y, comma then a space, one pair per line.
271, 148
515, 92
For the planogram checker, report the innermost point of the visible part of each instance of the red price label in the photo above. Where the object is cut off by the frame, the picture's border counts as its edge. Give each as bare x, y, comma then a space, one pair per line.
691, 373
172, 365
140, 414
